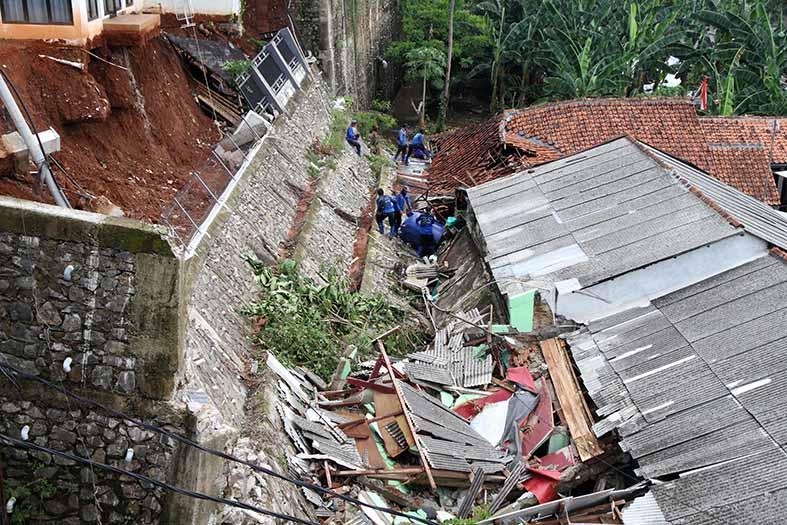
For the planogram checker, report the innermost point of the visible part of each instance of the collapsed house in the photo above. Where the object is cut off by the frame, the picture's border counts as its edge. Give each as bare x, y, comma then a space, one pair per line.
744, 152
678, 282
624, 363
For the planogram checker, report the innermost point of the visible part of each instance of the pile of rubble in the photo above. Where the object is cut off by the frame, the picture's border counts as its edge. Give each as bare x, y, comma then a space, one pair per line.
484, 417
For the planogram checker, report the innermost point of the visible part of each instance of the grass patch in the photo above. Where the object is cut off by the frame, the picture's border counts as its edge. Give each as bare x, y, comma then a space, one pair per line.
480, 513
310, 325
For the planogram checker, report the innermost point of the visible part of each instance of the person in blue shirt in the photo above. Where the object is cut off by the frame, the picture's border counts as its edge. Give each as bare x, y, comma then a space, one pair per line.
353, 137
426, 246
386, 207
401, 144
418, 147
403, 205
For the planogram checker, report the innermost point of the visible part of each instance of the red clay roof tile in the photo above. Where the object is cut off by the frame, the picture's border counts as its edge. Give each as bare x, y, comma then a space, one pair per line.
522, 138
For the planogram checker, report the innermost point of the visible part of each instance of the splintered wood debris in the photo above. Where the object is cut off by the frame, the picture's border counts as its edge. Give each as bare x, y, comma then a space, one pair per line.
467, 415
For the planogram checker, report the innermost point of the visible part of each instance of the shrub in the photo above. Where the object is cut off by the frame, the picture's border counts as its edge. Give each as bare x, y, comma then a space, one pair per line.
367, 120
236, 67
307, 324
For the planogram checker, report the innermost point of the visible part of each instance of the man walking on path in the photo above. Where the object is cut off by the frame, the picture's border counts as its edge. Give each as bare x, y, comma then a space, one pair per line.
353, 137
386, 208
401, 144
403, 205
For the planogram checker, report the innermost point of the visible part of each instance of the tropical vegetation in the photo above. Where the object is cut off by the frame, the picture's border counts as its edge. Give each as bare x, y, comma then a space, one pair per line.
518, 52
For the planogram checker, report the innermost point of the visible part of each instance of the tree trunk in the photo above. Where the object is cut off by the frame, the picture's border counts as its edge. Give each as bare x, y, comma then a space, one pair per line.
447, 85
422, 115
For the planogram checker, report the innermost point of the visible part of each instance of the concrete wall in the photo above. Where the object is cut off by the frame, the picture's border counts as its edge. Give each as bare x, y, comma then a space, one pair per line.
350, 38
79, 33
201, 7
101, 291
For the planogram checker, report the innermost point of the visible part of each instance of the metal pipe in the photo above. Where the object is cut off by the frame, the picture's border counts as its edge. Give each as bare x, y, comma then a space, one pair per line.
31, 141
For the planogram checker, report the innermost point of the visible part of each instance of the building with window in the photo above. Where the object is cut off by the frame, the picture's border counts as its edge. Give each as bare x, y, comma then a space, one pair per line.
74, 21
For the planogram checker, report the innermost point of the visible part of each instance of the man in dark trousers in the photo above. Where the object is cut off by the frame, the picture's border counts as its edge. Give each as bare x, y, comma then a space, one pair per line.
418, 147
353, 137
386, 207
401, 144
403, 205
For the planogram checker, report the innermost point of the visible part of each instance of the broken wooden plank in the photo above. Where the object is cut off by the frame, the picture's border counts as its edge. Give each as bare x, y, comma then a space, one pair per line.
477, 483
572, 401
407, 418
393, 428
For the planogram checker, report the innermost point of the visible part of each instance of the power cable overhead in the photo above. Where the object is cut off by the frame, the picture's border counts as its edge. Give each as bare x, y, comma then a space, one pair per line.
5, 367
144, 479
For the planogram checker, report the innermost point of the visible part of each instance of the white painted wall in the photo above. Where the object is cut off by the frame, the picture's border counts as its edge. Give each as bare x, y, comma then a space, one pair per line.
199, 7
639, 287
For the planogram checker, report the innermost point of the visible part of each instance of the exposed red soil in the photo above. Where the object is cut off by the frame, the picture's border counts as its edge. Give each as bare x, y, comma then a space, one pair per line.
299, 221
361, 246
131, 136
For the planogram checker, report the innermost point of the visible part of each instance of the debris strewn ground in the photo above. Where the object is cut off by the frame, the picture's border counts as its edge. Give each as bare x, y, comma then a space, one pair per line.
485, 423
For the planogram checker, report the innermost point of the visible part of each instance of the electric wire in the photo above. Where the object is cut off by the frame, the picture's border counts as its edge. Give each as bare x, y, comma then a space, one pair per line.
144, 479
186, 441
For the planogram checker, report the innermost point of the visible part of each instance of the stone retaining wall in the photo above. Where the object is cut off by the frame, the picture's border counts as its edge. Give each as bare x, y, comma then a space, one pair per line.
101, 292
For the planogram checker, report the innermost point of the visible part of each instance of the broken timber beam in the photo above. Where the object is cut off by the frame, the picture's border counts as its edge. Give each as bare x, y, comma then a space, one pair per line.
572, 401
407, 417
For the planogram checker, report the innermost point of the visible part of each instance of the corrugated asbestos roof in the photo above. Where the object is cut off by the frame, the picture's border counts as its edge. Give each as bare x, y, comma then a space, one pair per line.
695, 385
590, 217
757, 218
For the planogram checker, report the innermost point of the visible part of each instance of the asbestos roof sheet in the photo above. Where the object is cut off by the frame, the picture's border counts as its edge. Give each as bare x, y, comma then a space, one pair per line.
695, 385
757, 218
590, 217
449, 442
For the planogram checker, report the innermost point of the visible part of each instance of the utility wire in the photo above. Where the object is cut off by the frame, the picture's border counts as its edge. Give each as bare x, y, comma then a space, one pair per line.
186, 441
144, 479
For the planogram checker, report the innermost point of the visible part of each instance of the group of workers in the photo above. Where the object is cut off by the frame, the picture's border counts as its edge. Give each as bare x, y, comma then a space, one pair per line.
416, 148
392, 207
404, 147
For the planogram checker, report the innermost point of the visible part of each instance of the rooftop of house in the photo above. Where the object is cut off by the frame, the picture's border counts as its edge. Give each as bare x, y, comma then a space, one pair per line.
680, 281
749, 130
693, 382
538, 134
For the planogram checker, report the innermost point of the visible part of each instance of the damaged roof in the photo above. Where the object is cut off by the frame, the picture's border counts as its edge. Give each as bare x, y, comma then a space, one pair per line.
694, 384
538, 134
590, 217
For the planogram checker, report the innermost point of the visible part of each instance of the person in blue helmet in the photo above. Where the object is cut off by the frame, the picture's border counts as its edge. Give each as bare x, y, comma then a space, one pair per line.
401, 144
354, 137
386, 207
403, 205
426, 246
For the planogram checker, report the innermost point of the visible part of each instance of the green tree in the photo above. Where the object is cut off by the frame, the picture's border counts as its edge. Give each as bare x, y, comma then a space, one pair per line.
427, 64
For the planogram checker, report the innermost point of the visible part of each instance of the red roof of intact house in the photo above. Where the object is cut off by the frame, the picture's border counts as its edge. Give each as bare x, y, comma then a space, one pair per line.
522, 138
747, 129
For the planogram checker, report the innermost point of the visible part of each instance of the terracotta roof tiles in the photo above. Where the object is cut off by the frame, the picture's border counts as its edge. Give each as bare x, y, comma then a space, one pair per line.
522, 138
